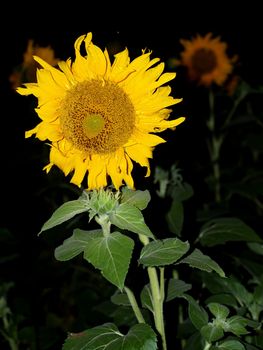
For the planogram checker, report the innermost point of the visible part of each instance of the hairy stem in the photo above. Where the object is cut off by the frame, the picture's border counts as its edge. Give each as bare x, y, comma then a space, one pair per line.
105, 224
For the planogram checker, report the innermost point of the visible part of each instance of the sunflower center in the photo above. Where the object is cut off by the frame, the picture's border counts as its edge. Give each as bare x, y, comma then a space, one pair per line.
97, 117
204, 61
92, 125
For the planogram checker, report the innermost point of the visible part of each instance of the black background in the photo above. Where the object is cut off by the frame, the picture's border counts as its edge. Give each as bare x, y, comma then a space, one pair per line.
158, 27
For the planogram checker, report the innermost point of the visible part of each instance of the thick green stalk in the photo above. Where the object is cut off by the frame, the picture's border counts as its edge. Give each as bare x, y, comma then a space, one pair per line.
157, 298
105, 224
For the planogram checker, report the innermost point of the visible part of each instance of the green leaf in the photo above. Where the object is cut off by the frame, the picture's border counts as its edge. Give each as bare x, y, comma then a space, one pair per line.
219, 311
175, 217
212, 333
256, 247
146, 298
111, 255
176, 288
182, 192
120, 299
223, 298
123, 316
219, 231
76, 244
194, 342
228, 285
128, 217
231, 345
65, 212
108, 337
197, 313
238, 291
139, 199
203, 262
163, 252
236, 325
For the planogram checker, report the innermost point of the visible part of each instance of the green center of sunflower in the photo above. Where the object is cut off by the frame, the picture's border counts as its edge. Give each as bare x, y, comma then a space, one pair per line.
204, 61
92, 125
97, 117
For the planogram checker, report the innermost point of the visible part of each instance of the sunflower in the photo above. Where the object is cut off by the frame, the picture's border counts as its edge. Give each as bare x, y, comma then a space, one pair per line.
206, 60
26, 71
100, 116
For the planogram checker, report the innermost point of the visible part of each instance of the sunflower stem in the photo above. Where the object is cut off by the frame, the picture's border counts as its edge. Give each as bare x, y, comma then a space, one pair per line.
12, 342
157, 292
207, 346
134, 305
105, 224
214, 146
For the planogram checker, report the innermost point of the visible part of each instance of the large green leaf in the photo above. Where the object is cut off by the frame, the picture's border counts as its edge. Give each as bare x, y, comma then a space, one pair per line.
128, 217
218, 310
65, 212
76, 244
176, 288
219, 231
108, 337
211, 332
202, 262
236, 324
111, 255
163, 252
197, 313
175, 217
229, 285
139, 199
222, 298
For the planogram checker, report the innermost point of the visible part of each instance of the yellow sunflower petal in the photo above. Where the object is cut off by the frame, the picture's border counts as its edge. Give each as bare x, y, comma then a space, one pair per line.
127, 172
97, 173
46, 131
48, 111
140, 154
95, 59
31, 132
28, 89
80, 169
66, 69
146, 139
55, 73
58, 158
80, 68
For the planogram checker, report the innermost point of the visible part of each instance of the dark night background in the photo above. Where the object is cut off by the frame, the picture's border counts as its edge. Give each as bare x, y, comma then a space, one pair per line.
158, 30
25, 205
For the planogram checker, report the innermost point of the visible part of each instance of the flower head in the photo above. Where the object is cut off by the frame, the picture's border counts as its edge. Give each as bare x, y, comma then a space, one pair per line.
100, 116
26, 71
206, 60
